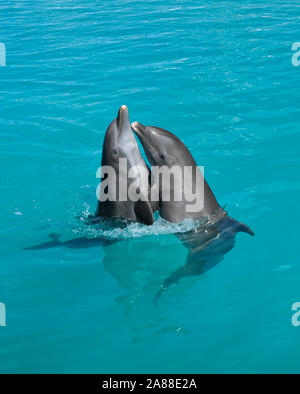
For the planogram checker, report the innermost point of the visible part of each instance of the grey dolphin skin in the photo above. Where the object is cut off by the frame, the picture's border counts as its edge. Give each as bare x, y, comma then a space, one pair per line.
208, 244
163, 148
120, 143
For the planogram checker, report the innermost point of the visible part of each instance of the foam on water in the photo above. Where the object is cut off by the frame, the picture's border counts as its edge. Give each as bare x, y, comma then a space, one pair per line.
118, 229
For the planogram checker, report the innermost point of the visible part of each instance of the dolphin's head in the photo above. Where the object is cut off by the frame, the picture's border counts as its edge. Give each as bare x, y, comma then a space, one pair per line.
162, 148
132, 174
120, 142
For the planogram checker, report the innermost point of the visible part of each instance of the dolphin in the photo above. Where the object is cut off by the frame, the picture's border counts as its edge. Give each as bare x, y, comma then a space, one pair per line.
164, 149
208, 243
120, 143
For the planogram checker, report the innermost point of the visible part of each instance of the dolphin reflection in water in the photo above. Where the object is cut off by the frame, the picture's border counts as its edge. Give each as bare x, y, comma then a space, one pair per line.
207, 246
76, 243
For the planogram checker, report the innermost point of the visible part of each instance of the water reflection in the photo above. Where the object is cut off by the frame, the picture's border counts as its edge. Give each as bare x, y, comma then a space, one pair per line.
138, 264
207, 247
145, 267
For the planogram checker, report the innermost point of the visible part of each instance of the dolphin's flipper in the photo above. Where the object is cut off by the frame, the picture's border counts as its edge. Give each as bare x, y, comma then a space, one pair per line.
144, 212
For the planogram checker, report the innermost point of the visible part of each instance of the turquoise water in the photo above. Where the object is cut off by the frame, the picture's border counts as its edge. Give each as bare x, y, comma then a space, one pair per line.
219, 75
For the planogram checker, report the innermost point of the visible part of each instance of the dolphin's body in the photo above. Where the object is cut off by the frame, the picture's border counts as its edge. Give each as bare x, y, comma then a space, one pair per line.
207, 245
120, 143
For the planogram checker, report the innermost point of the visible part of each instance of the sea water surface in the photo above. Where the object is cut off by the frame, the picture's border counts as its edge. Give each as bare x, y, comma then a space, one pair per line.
219, 75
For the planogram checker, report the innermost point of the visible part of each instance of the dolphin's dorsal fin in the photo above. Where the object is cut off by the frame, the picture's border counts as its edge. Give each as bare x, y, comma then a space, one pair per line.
144, 212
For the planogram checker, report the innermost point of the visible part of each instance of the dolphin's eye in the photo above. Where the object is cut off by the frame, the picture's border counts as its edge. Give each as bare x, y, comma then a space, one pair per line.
162, 157
115, 152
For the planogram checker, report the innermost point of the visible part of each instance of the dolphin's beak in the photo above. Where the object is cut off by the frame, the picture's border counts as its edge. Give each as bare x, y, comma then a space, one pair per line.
145, 138
123, 117
139, 129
